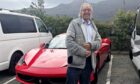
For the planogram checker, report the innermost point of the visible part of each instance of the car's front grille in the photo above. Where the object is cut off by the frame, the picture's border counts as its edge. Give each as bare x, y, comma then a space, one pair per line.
26, 78
41, 80
55, 80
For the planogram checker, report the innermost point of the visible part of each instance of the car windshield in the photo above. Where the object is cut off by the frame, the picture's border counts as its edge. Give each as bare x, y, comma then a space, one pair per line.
58, 42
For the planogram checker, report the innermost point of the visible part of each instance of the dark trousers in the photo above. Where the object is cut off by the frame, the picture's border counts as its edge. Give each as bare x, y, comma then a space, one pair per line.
82, 75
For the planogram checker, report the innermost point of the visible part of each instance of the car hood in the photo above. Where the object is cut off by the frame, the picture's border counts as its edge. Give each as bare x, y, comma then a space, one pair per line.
46, 58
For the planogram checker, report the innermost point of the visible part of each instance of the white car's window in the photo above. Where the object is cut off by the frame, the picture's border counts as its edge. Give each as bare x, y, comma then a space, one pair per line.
41, 26
138, 24
17, 24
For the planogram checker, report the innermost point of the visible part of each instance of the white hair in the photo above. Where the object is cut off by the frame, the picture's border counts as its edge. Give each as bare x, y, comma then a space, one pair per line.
84, 5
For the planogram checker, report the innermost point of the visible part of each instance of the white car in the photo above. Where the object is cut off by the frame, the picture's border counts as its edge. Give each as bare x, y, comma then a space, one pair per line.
134, 52
18, 34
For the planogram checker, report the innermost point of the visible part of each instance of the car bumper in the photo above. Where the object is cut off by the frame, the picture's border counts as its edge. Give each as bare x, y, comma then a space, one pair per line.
30, 75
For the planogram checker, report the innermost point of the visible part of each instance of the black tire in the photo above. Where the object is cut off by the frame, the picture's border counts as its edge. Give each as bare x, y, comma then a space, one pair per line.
130, 54
109, 56
139, 73
14, 59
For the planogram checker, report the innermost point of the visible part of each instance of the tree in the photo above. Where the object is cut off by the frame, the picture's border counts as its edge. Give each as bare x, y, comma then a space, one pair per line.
41, 3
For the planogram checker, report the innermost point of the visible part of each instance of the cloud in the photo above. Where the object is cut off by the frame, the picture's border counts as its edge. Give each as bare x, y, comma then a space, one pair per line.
58, 1
53, 3
19, 4
14, 4
94, 1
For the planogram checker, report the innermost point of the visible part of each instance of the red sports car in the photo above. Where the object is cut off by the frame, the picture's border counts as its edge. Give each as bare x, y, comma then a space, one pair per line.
48, 64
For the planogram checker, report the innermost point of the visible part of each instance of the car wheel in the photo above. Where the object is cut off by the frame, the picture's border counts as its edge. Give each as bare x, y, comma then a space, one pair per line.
109, 56
130, 54
15, 58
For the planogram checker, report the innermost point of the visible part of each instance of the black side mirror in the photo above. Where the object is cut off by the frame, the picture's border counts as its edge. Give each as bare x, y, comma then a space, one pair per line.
130, 29
47, 45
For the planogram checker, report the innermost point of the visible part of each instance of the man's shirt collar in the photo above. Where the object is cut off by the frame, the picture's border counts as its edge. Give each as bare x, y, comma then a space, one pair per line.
84, 22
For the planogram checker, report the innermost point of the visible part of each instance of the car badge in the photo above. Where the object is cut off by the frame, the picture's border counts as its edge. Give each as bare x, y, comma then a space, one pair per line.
52, 50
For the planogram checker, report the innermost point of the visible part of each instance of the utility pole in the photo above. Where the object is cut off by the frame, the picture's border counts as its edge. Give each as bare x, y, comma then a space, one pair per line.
124, 4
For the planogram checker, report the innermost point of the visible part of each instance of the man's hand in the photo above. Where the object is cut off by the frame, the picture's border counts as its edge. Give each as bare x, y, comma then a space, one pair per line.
87, 46
88, 53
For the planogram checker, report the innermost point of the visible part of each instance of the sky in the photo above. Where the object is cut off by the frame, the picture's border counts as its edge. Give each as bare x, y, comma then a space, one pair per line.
19, 4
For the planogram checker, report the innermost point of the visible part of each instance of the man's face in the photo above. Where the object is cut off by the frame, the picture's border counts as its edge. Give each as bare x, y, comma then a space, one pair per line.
86, 12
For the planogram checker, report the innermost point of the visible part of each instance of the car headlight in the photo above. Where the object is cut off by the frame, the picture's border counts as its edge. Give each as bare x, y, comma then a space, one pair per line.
21, 61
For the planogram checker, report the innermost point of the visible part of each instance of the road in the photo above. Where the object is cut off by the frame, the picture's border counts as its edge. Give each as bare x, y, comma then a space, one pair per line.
122, 71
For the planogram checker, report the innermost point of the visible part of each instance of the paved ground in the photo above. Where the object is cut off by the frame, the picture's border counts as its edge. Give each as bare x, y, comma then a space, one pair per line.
122, 72
4, 76
103, 74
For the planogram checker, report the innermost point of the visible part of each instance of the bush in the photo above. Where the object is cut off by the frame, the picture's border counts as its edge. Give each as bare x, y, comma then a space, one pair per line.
121, 38
122, 20
104, 29
58, 24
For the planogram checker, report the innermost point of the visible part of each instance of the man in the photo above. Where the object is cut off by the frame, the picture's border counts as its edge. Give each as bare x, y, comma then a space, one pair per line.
82, 40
